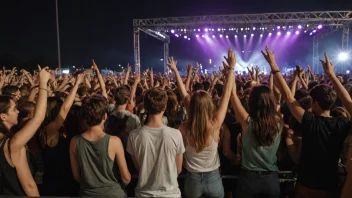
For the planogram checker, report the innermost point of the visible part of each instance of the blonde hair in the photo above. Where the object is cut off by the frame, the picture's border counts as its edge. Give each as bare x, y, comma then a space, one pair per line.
201, 110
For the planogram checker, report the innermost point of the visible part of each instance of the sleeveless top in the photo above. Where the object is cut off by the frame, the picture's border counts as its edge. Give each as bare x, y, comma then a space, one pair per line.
10, 184
259, 158
96, 168
58, 179
205, 161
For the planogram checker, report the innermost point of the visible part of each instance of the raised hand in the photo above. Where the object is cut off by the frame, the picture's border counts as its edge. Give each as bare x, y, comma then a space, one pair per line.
230, 60
256, 70
172, 64
129, 68
328, 66
94, 66
250, 71
189, 68
137, 77
79, 79
299, 71
270, 58
44, 75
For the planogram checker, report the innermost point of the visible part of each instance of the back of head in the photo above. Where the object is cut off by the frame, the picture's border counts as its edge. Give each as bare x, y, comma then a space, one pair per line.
219, 89
155, 101
201, 109
122, 95
198, 86
312, 84
72, 122
171, 108
206, 85
93, 110
9, 90
53, 108
262, 110
25, 108
324, 95
82, 91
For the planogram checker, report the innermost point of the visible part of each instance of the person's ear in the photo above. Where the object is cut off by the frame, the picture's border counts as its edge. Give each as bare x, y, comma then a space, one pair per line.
3, 117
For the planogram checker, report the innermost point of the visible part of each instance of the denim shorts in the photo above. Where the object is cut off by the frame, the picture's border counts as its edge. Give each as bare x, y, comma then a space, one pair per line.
204, 184
258, 184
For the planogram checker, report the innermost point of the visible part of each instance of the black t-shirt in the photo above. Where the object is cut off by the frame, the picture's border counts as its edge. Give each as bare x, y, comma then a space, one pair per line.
322, 141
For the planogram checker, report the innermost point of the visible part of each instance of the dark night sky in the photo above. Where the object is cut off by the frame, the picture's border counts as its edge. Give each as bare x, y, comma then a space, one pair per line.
103, 29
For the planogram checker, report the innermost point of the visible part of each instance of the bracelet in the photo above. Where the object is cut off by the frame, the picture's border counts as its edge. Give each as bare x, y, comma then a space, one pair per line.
275, 71
44, 89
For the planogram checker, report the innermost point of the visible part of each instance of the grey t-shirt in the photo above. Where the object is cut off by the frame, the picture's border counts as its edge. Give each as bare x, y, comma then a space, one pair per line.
155, 150
132, 121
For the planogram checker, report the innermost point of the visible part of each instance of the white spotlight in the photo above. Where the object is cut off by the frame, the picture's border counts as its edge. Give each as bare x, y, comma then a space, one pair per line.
343, 56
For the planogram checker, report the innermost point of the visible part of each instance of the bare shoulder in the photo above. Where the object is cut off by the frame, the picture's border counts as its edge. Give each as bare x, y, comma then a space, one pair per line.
115, 140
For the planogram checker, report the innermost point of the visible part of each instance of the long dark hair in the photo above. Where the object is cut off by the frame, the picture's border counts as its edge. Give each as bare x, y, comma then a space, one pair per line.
5, 104
265, 119
171, 109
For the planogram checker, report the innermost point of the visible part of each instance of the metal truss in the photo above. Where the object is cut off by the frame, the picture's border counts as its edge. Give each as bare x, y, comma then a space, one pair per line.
157, 27
330, 17
137, 50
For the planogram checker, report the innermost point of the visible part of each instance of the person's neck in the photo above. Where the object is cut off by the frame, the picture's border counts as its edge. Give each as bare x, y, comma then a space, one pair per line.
323, 113
121, 107
96, 130
155, 121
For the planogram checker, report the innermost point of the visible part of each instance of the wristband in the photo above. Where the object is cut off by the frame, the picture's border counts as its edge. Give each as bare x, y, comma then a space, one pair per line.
44, 89
275, 71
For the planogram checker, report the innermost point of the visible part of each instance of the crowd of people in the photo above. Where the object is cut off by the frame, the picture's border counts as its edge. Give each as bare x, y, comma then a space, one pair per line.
93, 133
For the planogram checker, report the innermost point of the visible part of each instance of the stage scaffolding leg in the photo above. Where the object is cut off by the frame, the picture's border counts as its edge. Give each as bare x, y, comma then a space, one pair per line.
137, 57
345, 38
166, 56
315, 54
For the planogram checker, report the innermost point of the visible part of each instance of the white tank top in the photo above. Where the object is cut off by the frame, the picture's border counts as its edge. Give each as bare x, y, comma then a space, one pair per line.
205, 161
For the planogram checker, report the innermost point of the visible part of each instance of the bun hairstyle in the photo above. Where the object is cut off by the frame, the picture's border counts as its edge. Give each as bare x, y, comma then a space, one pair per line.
93, 110
122, 95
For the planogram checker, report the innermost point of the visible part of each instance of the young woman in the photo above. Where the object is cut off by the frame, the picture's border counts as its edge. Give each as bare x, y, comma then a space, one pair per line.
57, 178
93, 153
201, 136
261, 129
17, 179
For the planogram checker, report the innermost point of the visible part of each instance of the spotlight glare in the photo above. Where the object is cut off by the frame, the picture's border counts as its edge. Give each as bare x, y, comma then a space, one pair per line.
270, 33
219, 29
213, 36
310, 34
172, 31
198, 30
203, 36
279, 33
176, 35
189, 39
314, 31
305, 31
288, 33
220, 35
320, 26
297, 32
244, 36
253, 28
206, 29
252, 35
348, 72
278, 27
261, 35
299, 27
197, 35
343, 56
241, 29
185, 37
235, 36
227, 36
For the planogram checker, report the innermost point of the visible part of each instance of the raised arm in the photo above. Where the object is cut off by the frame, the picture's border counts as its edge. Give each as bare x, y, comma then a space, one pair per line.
172, 65
127, 75
340, 89
189, 76
300, 76
219, 115
101, 80
54, 126
20, 139
294, 83
137, 79
295, 108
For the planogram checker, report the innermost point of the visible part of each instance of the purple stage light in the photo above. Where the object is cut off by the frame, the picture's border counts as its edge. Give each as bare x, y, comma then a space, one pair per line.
310, 34
305, 31
278, 27
172, 31
245, 36
219, 29
189, 39
253, 28
185, 37
220, 35
270, 33
213, 36
252, 35
176, 35
299, 27
198, 30
314, 31
197, 35
203, 36
227, 36
288, 33
261, 35
206, 29
320, 26
297, 32
279, 33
